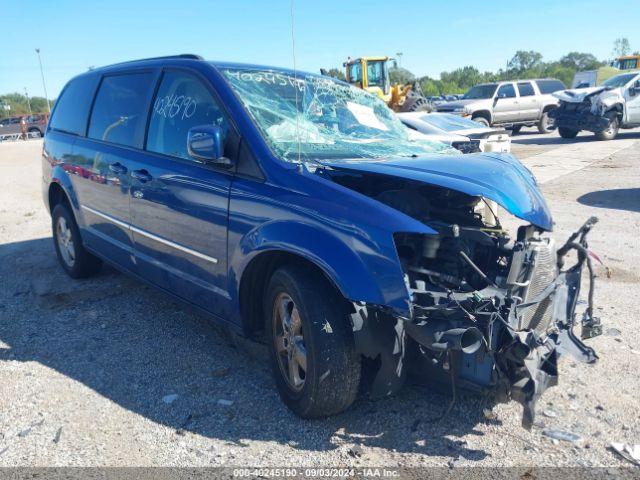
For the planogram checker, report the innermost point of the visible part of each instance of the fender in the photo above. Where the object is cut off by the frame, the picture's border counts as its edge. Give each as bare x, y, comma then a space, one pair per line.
363, 269
60, 176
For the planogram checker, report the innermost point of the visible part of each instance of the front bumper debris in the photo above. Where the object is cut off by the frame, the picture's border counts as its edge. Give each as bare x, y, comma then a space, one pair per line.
509, 362
579, 120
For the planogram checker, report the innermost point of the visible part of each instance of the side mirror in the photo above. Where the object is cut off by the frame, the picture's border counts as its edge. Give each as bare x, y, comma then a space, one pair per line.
206, 143
635, 89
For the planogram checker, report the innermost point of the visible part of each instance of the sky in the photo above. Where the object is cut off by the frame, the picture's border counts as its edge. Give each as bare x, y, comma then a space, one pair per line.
434, 36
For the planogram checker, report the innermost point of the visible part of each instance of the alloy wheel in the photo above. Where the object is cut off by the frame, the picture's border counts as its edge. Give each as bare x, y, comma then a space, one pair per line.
289, 341
65, 242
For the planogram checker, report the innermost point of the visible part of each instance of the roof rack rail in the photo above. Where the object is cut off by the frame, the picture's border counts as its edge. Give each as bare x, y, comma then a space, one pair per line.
191, 56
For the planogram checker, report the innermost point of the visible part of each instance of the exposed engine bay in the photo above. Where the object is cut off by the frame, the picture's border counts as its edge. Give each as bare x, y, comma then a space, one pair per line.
490, 310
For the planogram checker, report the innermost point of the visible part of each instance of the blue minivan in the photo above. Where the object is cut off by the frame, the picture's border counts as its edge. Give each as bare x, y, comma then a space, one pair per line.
296, 209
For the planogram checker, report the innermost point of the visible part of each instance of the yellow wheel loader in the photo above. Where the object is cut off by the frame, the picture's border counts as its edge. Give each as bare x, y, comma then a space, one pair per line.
372, 75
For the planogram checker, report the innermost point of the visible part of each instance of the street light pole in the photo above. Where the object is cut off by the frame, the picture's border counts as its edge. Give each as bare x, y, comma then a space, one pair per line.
28, 101
44, 85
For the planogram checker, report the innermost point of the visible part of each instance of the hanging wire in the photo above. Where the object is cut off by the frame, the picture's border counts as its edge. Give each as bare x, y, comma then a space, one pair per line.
295, 74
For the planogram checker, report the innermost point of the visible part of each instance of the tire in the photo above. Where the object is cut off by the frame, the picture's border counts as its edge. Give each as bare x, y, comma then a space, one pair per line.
482, 120
35, 130
545, 124
567, 132
73, 257
318, 323
612, 130
516, 129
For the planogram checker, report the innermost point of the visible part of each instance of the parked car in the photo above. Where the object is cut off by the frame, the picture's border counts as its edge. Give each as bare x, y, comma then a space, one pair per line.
36, 125
522, 103
603, 110
461, 133
293, 207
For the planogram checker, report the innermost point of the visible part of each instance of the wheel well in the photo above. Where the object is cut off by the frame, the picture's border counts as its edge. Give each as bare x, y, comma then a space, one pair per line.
482, 113
57, 195
548, 108
255, 279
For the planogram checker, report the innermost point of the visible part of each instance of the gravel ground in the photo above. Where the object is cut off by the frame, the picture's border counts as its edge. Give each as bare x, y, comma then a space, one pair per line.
109, 372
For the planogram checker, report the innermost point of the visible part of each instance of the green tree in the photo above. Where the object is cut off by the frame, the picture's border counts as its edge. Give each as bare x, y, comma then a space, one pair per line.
400, 75
524, 60
621, 47
581, 61
336, 73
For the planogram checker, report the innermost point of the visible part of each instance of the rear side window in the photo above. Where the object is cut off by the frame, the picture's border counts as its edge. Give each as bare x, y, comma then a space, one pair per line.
182, 102
525, 89
120, 110
72, 108
506, 91
550, 86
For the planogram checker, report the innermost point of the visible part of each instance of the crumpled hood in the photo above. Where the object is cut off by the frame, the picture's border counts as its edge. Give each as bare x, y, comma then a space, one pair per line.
577, 95
495, 176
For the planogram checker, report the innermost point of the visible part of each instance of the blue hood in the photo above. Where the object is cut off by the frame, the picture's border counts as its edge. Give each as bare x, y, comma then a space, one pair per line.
498, 177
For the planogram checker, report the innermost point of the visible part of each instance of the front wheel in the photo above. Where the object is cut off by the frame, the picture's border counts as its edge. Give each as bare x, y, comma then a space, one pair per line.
567, 132
482, 121
74, 258
612, 130
313, 358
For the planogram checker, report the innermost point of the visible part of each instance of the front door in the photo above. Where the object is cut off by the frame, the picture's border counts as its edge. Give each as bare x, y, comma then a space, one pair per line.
179, 206
632, 102
505, 109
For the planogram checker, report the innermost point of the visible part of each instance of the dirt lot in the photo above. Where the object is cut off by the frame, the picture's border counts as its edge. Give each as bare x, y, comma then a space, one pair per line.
109, 372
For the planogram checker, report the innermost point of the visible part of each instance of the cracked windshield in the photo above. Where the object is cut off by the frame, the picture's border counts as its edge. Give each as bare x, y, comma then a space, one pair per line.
309, 117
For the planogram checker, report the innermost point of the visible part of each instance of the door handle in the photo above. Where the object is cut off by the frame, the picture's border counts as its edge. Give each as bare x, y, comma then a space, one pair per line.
141, 175
117, 168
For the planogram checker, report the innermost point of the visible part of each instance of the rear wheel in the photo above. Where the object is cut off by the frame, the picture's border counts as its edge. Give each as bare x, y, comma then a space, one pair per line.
482, 120
313, 358
34, 130
567, 132
612, 130
74, 258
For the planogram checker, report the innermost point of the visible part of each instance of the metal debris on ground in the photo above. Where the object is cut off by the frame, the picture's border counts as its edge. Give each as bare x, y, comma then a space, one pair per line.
56, 437
355, 451
27, 430
562, 436
630, 453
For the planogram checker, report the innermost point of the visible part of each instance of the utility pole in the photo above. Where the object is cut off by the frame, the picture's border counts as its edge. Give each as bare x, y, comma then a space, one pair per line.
44, 85
26, 94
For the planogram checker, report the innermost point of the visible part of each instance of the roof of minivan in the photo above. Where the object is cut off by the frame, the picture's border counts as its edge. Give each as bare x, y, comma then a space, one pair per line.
187, 58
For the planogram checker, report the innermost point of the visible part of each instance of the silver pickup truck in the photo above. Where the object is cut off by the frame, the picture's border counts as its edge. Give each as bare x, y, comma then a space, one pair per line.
512, 104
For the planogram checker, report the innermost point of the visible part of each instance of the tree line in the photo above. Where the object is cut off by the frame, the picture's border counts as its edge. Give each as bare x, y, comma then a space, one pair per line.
524, 64
19, 105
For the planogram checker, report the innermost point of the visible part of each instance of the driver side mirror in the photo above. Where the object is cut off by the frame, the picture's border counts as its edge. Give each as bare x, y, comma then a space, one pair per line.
635, 89
206, 143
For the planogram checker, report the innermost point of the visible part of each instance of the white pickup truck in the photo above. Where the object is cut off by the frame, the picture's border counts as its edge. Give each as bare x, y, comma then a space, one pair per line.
603, 110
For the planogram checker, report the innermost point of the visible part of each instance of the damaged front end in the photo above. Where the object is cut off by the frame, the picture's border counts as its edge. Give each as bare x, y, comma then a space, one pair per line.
487, 312
584, 109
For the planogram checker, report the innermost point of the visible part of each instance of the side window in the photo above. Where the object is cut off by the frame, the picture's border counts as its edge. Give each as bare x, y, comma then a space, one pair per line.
182, 102
506, 91
355, 72
72, 108
120, 110
525, 89
550, 86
